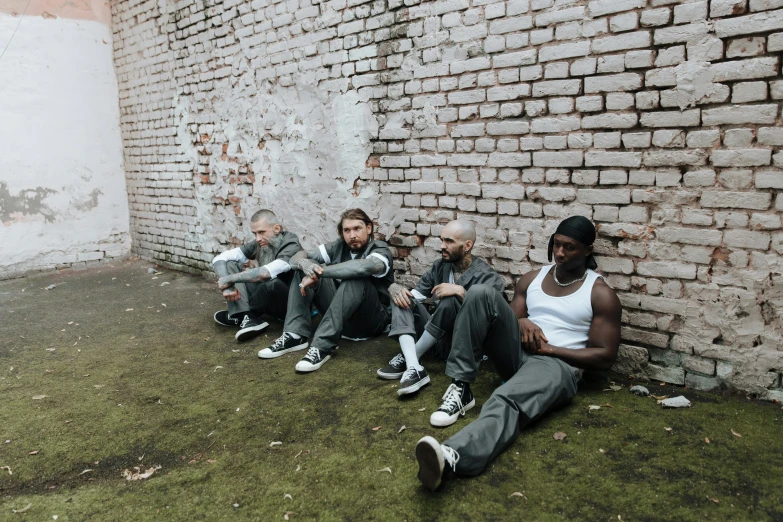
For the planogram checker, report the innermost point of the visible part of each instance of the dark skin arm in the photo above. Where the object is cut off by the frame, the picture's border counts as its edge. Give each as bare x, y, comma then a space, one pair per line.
603, 340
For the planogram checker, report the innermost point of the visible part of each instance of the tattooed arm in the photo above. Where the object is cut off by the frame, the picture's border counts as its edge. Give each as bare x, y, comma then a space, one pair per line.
304, 261
254, 275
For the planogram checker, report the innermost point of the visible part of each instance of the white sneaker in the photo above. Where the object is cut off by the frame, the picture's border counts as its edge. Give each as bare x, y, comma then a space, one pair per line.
314, 359
432, 458
456, 401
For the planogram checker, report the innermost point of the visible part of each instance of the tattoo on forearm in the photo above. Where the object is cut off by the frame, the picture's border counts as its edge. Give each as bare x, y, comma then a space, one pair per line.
254, 275
354, 269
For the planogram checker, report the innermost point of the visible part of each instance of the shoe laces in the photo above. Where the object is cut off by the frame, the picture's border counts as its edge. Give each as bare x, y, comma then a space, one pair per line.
453, 399
410, 373
245, 321
450, 455
313, 354
280, 342
397, 360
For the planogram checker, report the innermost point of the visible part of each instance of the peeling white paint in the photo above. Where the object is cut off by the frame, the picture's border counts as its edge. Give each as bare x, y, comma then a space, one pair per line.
61, 165
694, 83
307, 150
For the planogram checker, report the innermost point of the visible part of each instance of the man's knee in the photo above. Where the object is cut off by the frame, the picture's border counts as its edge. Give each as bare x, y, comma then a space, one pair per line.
451, 301
480, 292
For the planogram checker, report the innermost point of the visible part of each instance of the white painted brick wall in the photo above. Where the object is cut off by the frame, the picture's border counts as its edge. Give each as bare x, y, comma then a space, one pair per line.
660, 120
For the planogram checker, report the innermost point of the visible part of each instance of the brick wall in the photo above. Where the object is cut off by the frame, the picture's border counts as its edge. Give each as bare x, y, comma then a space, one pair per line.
657, 119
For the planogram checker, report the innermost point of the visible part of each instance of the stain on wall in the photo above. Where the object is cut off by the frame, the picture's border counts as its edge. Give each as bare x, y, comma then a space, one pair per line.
25, 204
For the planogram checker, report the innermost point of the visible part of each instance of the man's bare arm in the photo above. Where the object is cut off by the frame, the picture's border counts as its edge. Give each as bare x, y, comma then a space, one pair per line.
304, 260
254, 275
530, 334
603, 339
354, 269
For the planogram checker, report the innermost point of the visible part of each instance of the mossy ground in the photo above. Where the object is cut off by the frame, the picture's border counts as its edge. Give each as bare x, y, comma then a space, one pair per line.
164, 385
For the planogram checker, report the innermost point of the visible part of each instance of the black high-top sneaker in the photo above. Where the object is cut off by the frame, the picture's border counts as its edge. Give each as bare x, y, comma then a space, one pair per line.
456, 401
250, 327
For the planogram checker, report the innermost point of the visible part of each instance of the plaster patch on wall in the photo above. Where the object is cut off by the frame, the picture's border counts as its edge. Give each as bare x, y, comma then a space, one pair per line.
296, 150
24, 205
694, 83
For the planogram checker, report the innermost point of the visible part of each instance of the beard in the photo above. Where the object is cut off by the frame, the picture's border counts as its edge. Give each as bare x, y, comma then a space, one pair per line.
266, 254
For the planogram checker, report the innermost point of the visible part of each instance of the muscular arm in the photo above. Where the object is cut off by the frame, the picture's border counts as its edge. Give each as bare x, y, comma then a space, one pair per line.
306, 261
603, 339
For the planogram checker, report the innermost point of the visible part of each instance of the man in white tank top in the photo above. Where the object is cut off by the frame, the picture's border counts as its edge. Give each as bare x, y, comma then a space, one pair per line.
563, 319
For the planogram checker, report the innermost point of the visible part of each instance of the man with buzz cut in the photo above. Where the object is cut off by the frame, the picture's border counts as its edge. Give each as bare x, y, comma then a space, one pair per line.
348, 282
261, 290
562, 320
446, 282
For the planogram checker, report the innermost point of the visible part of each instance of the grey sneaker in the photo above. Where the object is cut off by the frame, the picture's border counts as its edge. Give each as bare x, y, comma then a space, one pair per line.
412, 381
394, 369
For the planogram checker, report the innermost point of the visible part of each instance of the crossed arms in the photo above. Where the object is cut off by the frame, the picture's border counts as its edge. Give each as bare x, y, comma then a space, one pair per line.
603, 339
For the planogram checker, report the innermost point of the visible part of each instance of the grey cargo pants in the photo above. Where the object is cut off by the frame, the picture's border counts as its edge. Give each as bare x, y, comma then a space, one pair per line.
352, 308
269, 297
535, 384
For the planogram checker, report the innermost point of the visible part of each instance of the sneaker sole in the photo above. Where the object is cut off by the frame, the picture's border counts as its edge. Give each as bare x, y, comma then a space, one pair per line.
453, 418
221, 323
431, 464
413, 388
246, 333
266, 353
390, 376
311, 367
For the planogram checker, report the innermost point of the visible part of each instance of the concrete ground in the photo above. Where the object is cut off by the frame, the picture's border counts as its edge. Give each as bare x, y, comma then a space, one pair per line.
114, 371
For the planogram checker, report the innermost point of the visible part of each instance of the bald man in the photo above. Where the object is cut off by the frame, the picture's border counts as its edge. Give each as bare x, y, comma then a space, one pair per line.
446, 282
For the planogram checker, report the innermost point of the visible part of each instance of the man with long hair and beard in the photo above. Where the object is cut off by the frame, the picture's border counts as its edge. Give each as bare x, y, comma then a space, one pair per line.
348, 281
264, 289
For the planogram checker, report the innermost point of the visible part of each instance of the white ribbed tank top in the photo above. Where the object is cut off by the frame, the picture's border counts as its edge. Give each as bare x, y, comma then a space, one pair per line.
565, 320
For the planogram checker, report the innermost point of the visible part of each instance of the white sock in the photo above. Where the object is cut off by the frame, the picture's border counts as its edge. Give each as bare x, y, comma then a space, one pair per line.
292, 334
423, 345
408, 346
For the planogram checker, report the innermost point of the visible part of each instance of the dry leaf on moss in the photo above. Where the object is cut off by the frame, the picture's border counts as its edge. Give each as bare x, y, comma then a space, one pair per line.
736, 434
517, 494
138, 474
385, 469
377, 428
28, 506
401, 428
39, 397
275, 443
8, 468
559, 435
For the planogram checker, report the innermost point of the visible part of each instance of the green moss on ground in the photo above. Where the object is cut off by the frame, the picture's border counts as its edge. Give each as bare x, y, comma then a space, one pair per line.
119, 394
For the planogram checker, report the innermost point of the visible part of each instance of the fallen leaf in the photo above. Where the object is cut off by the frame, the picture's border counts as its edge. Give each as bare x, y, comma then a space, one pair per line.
98, 386
659, 397
33, 452
602, 450
285, 516
287, 496
138, 474
132, 338
668, 429
163, 305
211, 461
593, 407
517, 494
706, 440
164, 284
71, 322
217, 368
559, 435
50, 349
275, 443
298, 467
714, 500
607, 405
85, 471
28, 506
8, 468
129, 309
422, 409
402, 428
300, 452
39, 397
615, 387
736, 434
376, 428
385, 469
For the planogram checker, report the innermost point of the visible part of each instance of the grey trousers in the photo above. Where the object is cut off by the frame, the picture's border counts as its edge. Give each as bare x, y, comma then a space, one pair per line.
414, 321
351, 308
535, 384
269, 297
